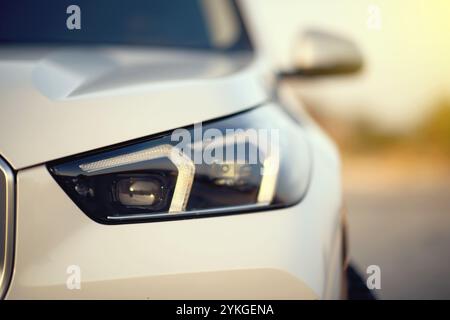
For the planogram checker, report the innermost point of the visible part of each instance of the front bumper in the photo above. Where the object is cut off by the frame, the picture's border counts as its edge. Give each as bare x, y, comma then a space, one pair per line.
6, 225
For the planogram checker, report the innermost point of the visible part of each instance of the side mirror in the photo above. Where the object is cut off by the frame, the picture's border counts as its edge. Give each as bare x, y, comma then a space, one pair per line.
319, 53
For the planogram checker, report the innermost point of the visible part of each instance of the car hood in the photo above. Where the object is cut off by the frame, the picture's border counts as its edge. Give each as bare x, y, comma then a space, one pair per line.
57, 102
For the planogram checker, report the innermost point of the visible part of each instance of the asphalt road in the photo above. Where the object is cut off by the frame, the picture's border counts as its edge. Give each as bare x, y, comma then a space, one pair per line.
406, 232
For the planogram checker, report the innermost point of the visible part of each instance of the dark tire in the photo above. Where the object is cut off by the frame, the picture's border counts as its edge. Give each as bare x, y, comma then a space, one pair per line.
356, 286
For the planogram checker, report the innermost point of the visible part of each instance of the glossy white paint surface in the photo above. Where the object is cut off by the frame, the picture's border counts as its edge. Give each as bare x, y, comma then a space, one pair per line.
60, 102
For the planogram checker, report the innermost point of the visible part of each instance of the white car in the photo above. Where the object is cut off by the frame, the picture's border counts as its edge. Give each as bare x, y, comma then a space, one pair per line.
105, 106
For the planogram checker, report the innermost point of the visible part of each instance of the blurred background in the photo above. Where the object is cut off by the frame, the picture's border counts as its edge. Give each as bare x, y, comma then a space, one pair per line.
392, 125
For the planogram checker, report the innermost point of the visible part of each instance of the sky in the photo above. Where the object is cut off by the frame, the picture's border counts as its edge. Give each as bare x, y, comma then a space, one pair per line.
406, 48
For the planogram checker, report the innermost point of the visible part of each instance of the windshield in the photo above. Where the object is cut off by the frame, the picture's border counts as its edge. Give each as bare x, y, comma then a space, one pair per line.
198, 24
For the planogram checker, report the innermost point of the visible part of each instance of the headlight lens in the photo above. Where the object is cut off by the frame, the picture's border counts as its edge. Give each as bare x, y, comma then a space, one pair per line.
254, 160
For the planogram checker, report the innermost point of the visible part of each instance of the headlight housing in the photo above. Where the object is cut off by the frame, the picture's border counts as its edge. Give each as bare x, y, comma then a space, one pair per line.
254, 160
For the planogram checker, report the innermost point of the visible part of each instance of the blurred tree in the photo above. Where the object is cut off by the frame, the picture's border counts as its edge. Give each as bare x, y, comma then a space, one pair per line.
434, 133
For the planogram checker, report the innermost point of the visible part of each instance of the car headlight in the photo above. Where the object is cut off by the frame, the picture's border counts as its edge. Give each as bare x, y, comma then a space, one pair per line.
255, 160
